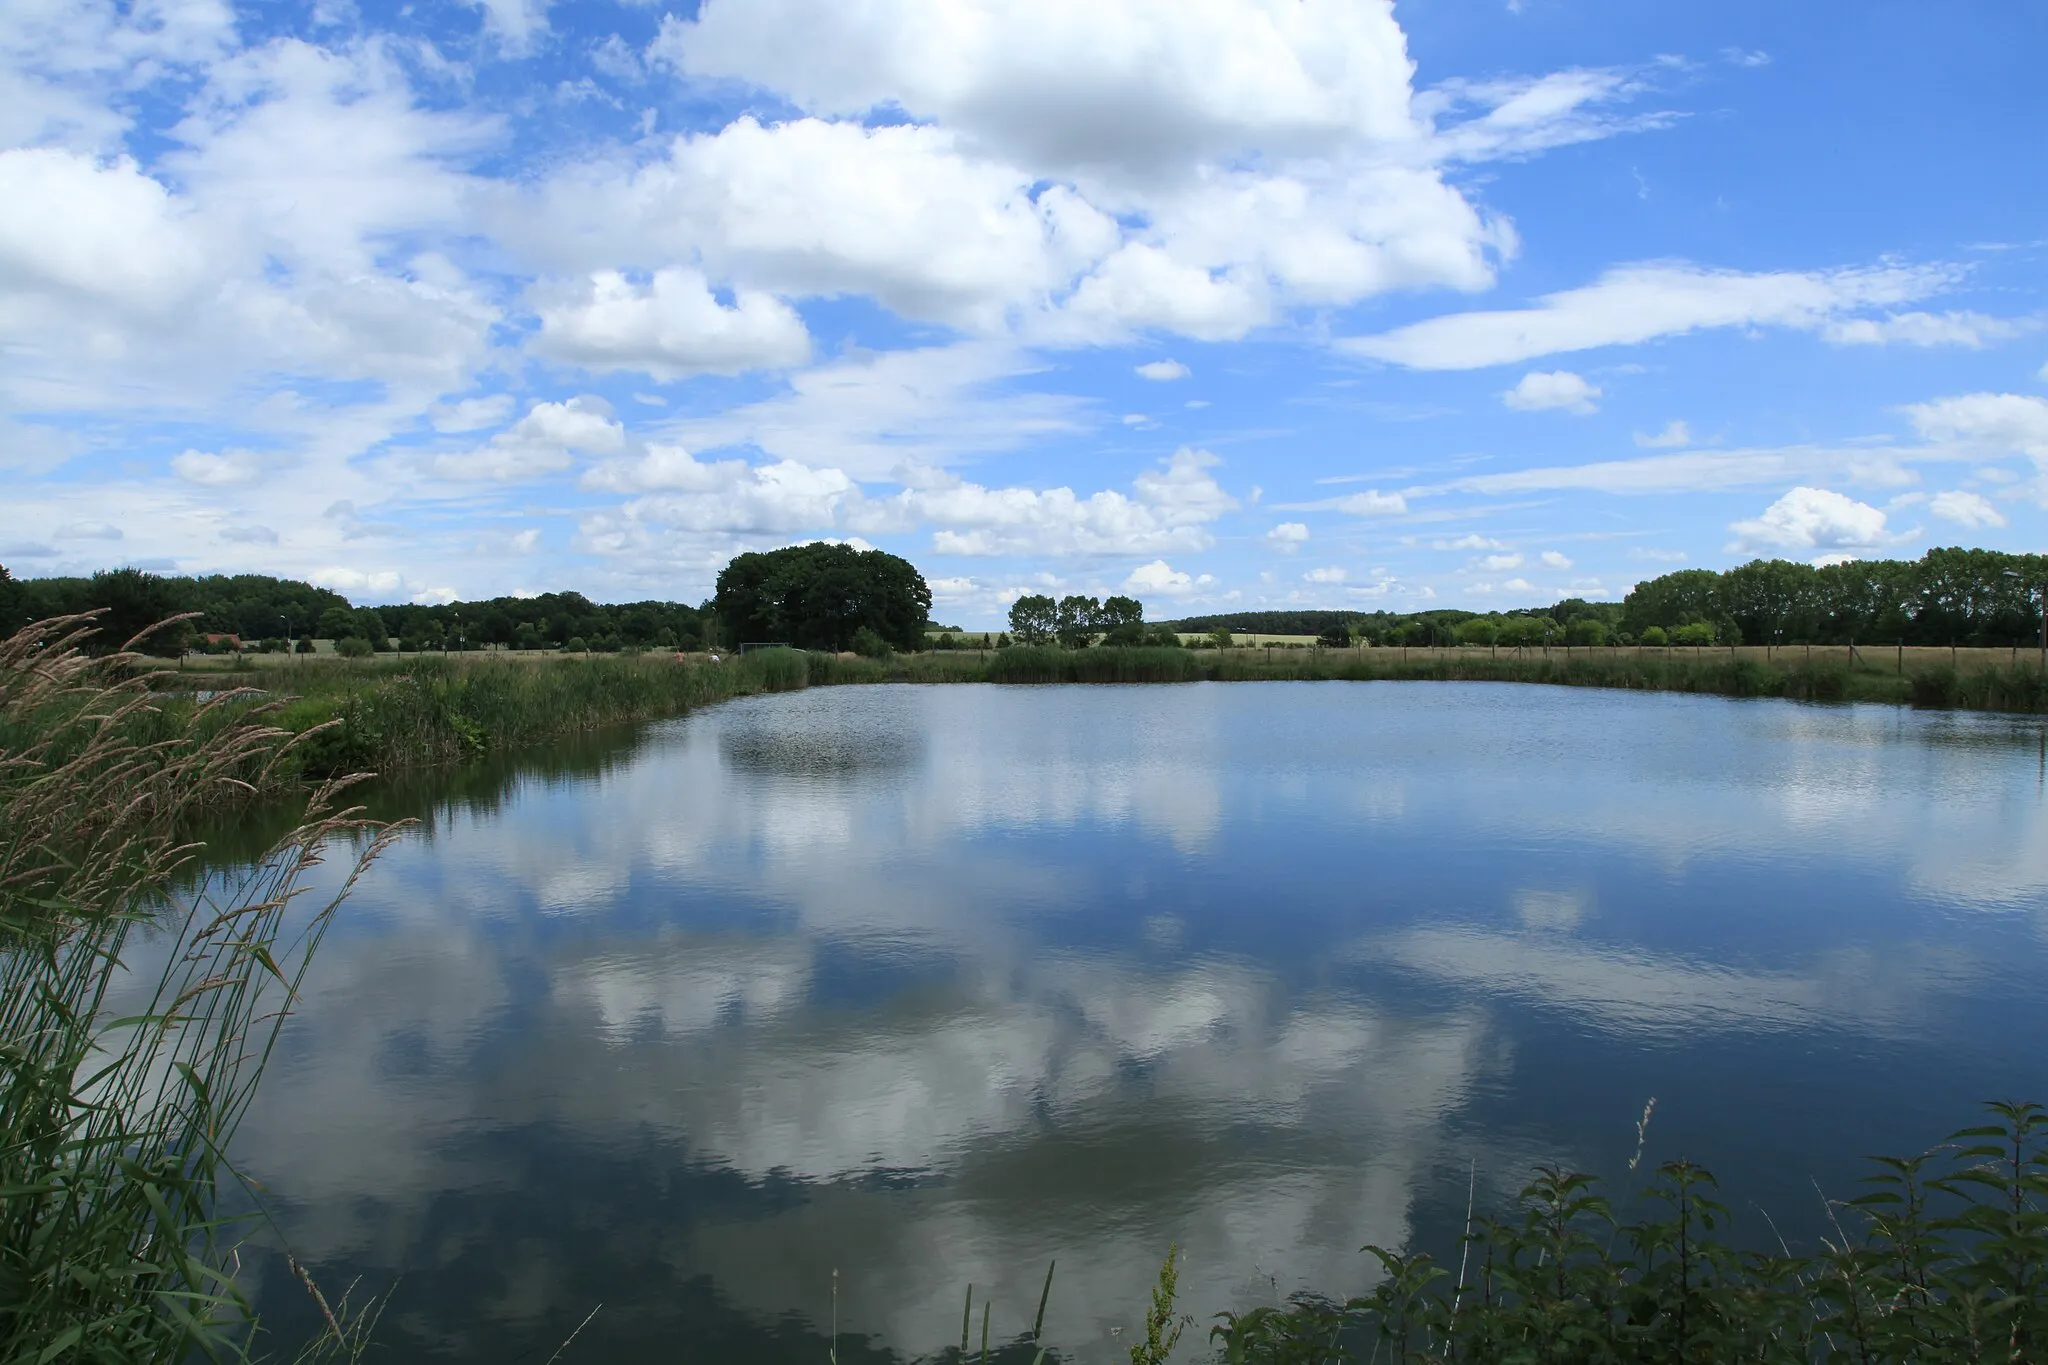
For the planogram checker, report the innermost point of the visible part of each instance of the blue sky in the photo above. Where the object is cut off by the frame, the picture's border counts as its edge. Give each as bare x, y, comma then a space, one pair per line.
1223, 303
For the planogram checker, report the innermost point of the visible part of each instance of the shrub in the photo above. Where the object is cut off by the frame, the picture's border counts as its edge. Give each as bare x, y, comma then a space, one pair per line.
1586, 631
1654, 635
780, 669
1696, 633
354, 647
869, 645
575, 645
1480, 630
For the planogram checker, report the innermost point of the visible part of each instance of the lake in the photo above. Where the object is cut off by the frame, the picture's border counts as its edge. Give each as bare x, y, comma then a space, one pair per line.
930, 985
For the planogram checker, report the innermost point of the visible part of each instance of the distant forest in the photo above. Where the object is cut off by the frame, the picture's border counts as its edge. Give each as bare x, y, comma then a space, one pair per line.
254, 608
1954, 596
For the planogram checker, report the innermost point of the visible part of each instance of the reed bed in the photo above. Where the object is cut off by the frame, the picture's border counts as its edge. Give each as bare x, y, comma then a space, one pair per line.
385, 717
135, 1022
1141, 664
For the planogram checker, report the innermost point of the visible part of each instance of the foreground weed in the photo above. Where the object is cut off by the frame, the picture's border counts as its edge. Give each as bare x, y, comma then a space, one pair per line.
1943, 1259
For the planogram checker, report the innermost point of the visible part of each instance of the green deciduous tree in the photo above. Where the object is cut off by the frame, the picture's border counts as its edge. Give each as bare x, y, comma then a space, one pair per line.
1480, 630
336, 623
1077, 623
820, 596
1121, 621
1034, 619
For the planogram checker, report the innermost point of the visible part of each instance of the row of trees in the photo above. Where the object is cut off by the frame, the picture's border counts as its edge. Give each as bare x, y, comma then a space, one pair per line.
550, 620
812, 596
1075, 621
1953, 596
246, 605
255, 607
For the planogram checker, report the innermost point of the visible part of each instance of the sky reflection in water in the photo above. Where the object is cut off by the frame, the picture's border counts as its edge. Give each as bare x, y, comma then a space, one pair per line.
933, 984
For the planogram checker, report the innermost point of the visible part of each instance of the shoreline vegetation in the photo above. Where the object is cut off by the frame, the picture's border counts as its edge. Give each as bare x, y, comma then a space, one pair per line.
390, 713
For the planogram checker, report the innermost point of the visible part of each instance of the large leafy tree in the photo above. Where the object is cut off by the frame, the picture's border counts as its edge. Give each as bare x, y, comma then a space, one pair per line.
1034, 618
1077, 622
821, 596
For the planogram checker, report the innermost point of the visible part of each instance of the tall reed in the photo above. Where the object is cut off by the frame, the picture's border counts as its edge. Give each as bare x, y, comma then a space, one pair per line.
135, 1022
421, 712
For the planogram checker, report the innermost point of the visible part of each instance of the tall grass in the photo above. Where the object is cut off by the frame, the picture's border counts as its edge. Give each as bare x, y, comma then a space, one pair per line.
388, 716
1039, 664
134, 1026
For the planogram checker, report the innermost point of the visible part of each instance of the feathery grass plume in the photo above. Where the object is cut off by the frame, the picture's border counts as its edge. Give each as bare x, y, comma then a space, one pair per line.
135, 1016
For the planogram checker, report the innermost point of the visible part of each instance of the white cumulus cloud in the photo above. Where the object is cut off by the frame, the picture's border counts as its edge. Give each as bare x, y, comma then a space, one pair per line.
1543, 390
1288, 537
539, 443
1162, 370
670, 327
1966, 509
2005, 423
1807, 519
1162, 579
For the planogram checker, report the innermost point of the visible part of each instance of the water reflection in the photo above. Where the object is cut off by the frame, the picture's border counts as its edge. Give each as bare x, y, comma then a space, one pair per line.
929, 985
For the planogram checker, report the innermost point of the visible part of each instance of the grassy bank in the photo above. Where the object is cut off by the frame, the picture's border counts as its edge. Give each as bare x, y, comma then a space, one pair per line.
1931, 680
389, 715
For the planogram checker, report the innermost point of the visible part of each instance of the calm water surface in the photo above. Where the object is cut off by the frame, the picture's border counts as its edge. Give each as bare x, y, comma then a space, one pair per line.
933, 984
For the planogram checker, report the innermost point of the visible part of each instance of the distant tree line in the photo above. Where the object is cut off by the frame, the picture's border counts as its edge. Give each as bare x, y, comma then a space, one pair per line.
836, 597
1076, 622
248, 606
257, 609
549, 620
1951, 596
